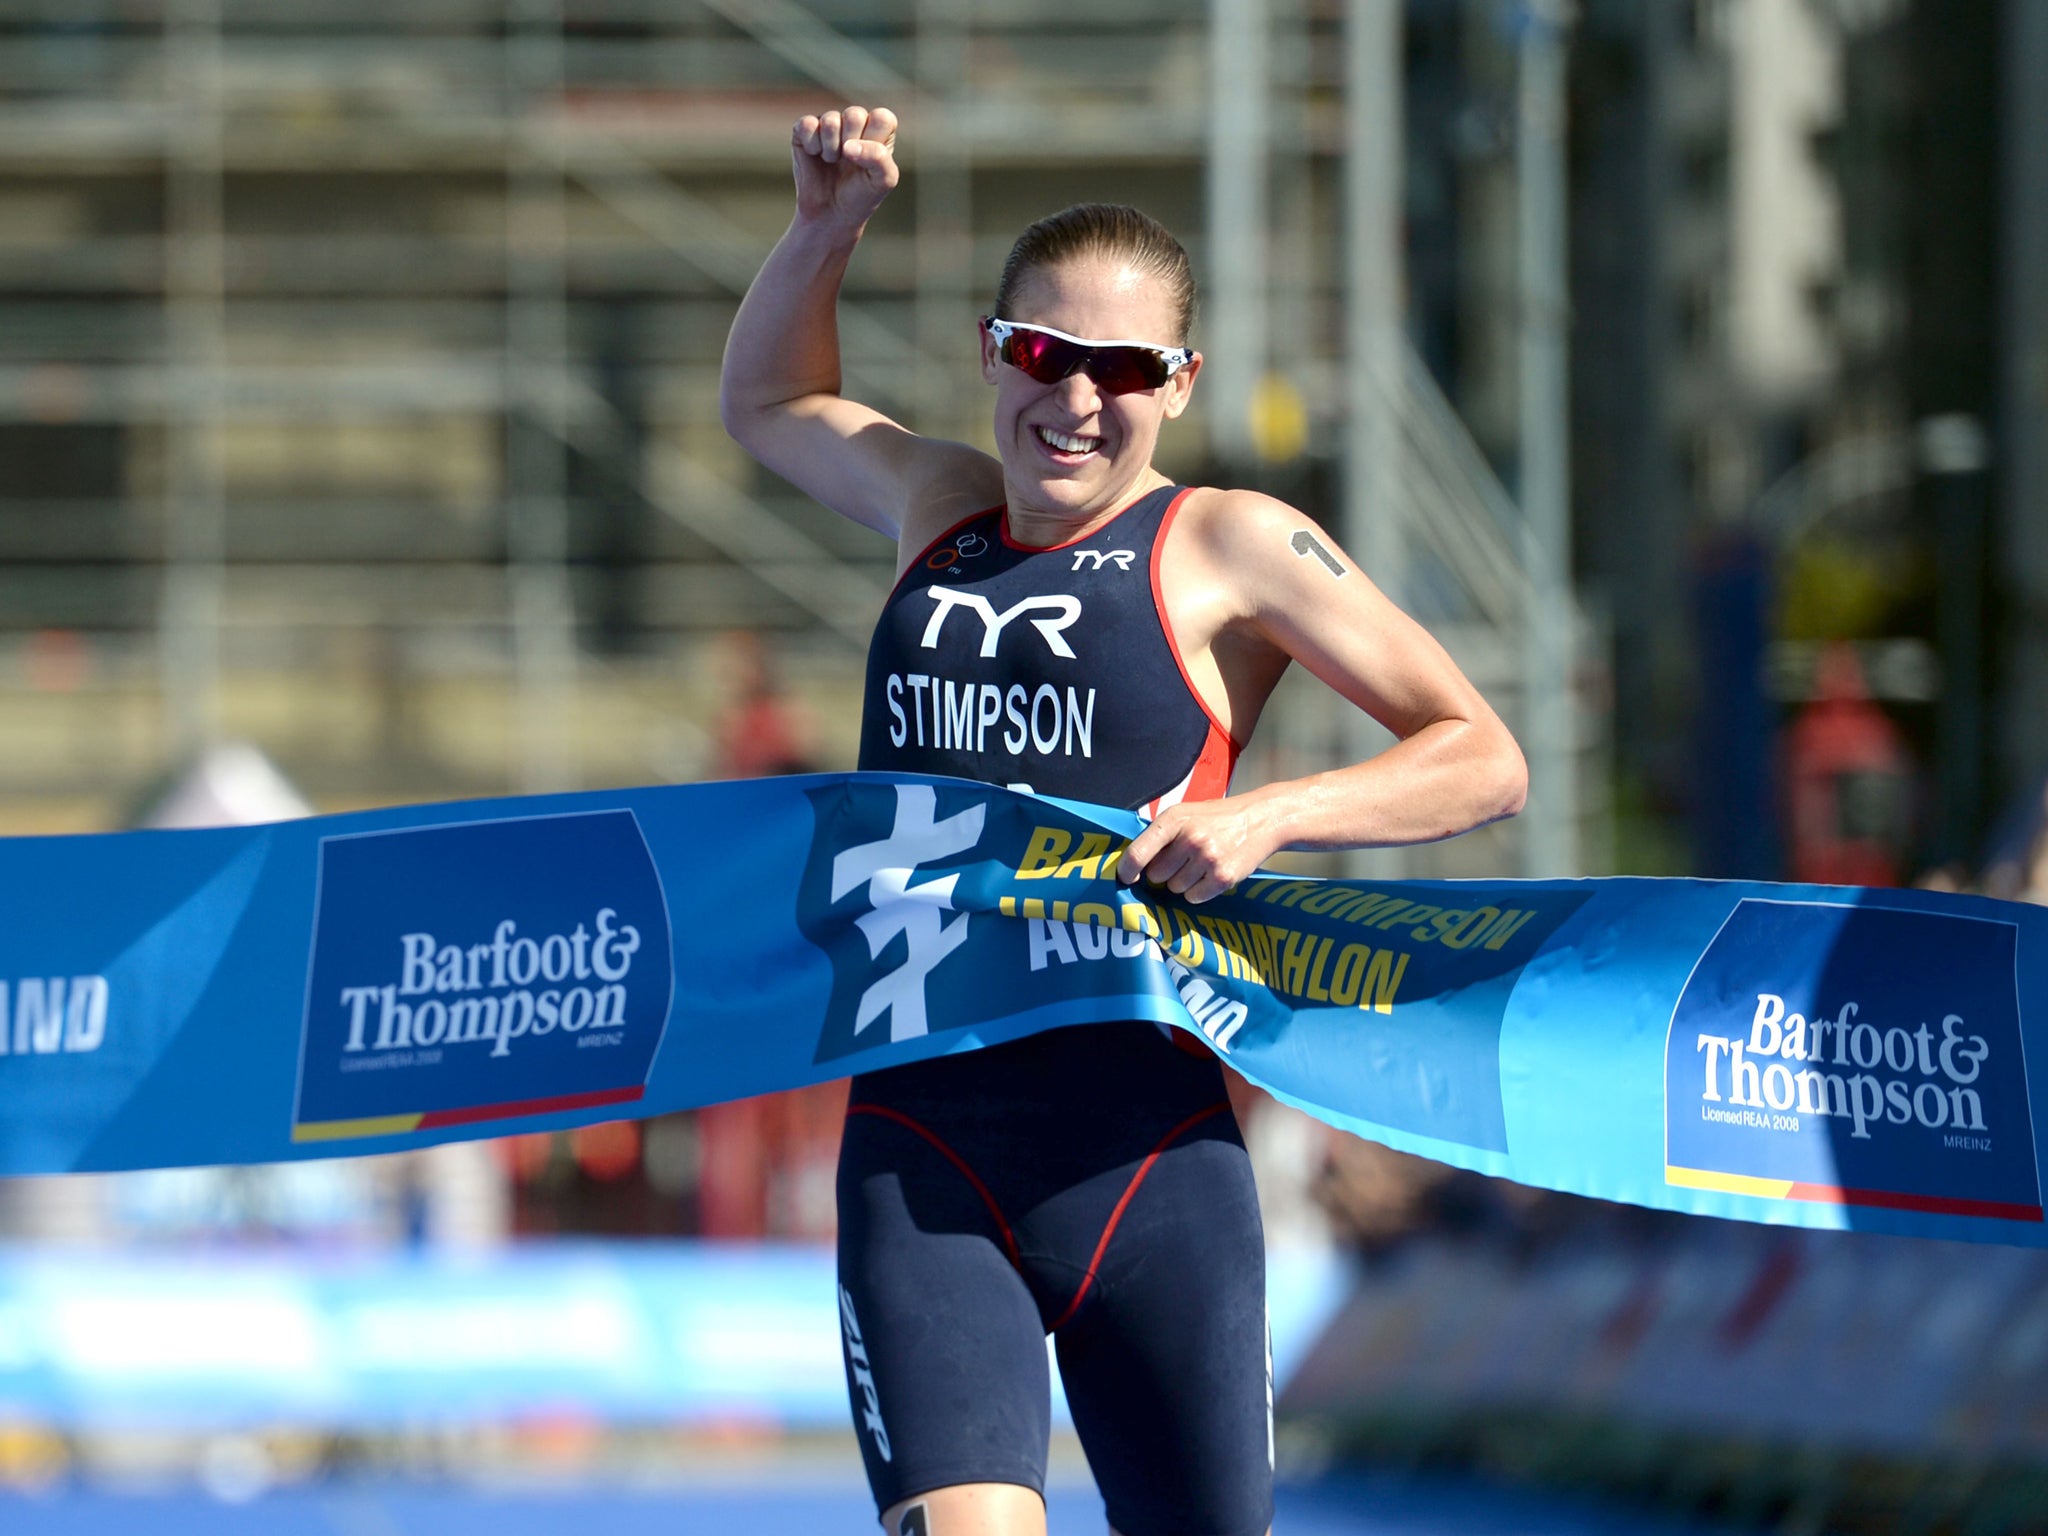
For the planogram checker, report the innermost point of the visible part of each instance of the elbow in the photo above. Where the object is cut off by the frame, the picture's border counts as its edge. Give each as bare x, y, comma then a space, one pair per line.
1514, 796
743, 404
747, 424
1511, 780
1494, 773
1498, 774
734, 416
754, 418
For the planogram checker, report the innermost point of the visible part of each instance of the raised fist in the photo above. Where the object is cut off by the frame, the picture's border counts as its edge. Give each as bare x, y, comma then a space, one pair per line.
845, 164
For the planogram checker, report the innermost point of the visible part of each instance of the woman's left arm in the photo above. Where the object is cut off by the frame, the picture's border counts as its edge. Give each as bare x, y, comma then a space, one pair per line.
1453, 767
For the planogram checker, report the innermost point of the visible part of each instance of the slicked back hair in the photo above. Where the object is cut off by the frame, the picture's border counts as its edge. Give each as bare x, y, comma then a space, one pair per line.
1113, 230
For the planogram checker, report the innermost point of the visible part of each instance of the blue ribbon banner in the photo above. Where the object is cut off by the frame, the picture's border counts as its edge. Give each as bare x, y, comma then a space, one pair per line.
1818, 1056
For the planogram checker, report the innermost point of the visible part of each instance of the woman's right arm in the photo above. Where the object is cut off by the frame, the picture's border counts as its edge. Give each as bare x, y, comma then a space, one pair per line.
779, 389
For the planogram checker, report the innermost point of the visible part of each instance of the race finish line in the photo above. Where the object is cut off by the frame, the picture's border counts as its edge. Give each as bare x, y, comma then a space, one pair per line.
1819, 1056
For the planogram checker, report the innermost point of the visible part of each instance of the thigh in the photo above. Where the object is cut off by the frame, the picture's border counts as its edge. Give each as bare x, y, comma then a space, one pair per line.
945, 1350
1166, 1363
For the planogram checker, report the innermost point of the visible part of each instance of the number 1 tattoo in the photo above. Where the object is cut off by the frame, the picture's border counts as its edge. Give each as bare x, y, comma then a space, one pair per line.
1305, 544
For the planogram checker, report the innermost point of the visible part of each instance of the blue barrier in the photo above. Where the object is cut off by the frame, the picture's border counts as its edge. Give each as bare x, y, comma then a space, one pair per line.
628, 1333
1843, 1342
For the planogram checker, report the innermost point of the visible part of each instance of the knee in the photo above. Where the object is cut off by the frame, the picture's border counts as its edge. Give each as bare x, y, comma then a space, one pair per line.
968, 1509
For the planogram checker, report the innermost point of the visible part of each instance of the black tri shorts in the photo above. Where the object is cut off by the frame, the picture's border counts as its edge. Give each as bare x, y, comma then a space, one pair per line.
1087, 1183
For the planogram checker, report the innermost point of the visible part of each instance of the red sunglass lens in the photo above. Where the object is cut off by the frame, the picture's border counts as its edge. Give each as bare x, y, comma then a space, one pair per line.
1045, 358
1115, 370
1126, 370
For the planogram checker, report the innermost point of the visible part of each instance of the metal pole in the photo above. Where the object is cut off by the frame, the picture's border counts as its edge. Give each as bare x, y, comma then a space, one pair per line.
1239, 117
1550, 836
1291, 329
536, 427
944, 188
1954, 454
1373, 515
195, 303
2021, 427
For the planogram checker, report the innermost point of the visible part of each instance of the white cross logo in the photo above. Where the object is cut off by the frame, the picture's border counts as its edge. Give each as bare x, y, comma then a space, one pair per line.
885, 869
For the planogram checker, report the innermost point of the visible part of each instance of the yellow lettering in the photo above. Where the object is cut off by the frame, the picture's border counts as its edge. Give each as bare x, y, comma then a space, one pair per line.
1088, 860
1470, 926
1364, 907
1095, 912
1417, 915
1301, 948
1229, 943
1505, 929
1316, 991
1350, 975
1329, 896
1266, 947
1008, 906
1241, 945
1033, 907
1042, 856
1383, 980
1438, 926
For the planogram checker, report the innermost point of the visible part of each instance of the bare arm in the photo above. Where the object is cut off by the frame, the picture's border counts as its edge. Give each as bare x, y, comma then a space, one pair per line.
779, 389
1454, 766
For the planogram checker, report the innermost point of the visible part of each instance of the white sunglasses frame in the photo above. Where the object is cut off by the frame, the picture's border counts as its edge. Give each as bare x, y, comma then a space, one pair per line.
1000, 331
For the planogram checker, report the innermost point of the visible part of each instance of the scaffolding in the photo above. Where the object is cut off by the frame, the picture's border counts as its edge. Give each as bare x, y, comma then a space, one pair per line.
358, 373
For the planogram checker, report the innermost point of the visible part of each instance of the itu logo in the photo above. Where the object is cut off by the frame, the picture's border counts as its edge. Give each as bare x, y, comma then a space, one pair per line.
887, 869
947, 557
872, 900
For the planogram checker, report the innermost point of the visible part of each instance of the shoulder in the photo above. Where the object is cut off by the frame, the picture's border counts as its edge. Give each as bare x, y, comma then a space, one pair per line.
1223, 514
1254, 536
954, 482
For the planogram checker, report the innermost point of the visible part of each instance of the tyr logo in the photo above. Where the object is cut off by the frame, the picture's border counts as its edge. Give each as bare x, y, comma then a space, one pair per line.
1120, 558
1066, 610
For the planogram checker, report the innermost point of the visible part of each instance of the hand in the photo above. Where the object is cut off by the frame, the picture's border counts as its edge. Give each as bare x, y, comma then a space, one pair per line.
845, 164
1198, 849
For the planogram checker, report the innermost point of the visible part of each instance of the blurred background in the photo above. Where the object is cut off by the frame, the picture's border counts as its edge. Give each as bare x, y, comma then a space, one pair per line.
1682, 363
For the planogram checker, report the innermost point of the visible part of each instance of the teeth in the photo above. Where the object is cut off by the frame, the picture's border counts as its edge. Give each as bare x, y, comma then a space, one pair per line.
1067, 443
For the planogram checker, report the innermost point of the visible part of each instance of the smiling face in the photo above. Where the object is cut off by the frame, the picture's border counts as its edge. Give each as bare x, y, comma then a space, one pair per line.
1071, 453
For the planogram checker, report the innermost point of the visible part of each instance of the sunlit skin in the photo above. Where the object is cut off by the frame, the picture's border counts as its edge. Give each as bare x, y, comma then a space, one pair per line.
1239, 600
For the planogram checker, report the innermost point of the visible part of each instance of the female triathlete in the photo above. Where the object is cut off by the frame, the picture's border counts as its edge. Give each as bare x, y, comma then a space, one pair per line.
1067, 620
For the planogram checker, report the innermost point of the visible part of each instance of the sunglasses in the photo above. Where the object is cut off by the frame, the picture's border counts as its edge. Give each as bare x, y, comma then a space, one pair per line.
1117, 367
